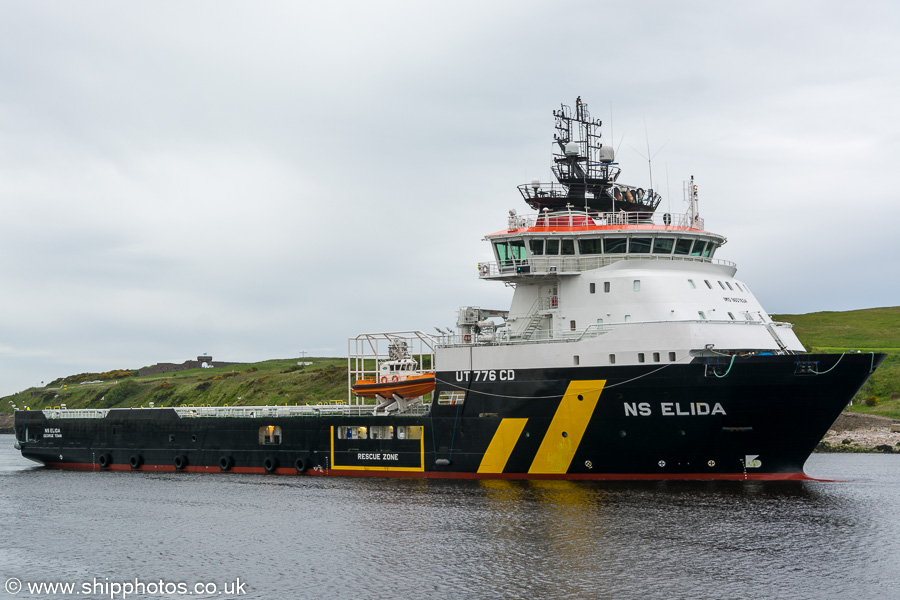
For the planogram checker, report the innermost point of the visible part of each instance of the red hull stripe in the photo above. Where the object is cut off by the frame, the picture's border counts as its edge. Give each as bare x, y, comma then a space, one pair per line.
451, 475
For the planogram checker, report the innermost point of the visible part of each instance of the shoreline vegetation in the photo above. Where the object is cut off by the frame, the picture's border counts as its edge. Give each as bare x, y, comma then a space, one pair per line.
865, 426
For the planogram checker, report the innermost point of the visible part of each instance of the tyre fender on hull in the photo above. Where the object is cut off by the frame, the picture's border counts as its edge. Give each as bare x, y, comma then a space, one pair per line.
225, 463
181, 461
270, 464
300, 464
104, 461
136, 461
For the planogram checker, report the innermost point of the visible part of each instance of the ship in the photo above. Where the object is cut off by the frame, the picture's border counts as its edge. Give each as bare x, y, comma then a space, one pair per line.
629, 351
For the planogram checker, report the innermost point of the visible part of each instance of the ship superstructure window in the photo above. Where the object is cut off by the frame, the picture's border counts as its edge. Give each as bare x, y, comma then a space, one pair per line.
381, 432
699, 247
731, 316
683, 246
640, 357
409, 432
628, 318
702, 315
656, 357
606, 287
640, 246
738, 286
510, 251
590, 246
710, 247
637, 285
728, 283
721, 285
572, 325
612, 359
615, 245
663, 245
552, 247
671, 357
691, 283
708, 284
270, 435
593, 288
353, 433
567, 248
537, 247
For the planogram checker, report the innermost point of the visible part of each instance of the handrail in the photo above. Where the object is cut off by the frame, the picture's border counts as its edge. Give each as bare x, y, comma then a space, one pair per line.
252, 412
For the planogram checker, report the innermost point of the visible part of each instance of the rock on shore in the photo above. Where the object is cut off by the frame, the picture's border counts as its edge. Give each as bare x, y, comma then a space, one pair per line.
855, 432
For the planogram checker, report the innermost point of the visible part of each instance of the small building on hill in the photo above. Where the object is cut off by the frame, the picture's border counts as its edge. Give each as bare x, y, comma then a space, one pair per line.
204, 361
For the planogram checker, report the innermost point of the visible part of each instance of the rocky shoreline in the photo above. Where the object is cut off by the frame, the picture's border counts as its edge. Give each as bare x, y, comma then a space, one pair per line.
855, 432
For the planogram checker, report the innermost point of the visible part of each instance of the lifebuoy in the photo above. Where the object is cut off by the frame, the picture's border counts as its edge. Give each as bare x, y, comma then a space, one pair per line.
136, 461
104, 461
181, 461
225, 463
395, 378
300, 465
384, 379
485, 269
270, 464
467, 338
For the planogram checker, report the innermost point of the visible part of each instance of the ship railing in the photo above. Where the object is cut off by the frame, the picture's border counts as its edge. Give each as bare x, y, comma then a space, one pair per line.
304, 410
541, 336
578, 218
575, 264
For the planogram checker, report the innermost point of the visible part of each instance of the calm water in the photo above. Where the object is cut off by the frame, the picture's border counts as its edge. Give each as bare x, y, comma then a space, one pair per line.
314, 537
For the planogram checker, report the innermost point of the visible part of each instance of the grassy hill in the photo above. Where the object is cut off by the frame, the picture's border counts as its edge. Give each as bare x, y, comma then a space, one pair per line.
284, 381
867, 330
269, 382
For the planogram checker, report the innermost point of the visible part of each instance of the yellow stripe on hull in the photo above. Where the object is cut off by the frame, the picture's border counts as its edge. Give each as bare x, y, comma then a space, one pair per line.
501, 446
567, 427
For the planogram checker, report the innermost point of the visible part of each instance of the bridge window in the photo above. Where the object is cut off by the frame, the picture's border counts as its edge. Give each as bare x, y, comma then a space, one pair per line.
552, 247
615, 245
508, 252
640, 246
698, 248
683, 246
537, 247
590, 246
568, 247
710, 247
663, 245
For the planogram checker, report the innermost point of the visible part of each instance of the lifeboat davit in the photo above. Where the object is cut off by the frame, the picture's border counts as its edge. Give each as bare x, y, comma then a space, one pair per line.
404, 386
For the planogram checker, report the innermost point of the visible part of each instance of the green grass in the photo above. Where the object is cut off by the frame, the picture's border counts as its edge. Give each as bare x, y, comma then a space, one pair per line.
867, 330
271, 382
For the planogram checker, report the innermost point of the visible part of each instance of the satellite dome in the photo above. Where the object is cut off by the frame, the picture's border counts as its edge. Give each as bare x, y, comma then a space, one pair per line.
572, 149
606, 154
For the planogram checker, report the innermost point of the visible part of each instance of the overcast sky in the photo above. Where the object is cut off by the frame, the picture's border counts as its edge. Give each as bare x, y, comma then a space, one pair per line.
260, 179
